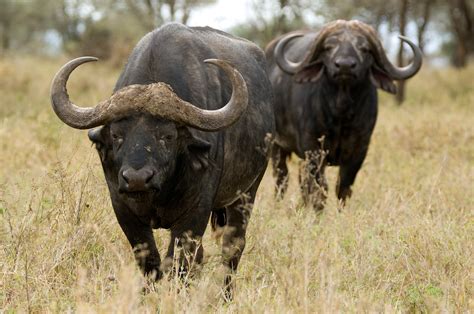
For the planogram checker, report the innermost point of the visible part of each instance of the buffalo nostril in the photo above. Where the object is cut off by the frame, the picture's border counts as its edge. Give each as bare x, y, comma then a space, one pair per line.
345, 64
137, 180
125, 177
148, 176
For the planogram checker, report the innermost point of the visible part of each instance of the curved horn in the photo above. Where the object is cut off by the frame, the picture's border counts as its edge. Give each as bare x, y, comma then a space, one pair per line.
397, 73
213, 120
69, 113
286, 65
411, 69
157, 99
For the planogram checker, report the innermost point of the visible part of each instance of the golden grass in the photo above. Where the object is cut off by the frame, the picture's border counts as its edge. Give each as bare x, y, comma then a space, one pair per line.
403, 243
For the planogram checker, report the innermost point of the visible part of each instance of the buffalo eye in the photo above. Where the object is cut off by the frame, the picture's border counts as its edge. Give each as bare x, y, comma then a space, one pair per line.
166, 138
118, 140
328, 47
364, 49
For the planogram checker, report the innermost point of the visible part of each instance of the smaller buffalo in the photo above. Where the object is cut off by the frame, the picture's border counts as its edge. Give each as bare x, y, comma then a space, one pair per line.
325, 87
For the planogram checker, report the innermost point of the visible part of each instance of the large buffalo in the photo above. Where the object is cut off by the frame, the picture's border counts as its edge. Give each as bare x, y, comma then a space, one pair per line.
172, 154
325, 87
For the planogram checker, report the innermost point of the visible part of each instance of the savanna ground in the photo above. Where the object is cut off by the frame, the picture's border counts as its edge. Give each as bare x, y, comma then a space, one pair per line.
404, 242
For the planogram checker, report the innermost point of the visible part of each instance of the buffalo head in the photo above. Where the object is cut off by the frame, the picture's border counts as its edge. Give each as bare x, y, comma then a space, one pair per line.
348, 52
141, 131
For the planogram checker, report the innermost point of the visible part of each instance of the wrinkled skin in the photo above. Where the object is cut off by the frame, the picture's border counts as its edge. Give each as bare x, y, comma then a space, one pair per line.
325, 112
164, 175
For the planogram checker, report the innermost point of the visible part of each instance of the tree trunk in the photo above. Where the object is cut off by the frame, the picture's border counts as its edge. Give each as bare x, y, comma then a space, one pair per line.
403, 21
5, 36
424, 23
5, 22
463, 30
145, 14
172, 5
5, 42
186, 15
281, 22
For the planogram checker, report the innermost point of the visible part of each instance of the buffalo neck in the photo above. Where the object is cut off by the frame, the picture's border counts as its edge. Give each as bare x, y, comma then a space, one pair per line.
179, 192
343, 101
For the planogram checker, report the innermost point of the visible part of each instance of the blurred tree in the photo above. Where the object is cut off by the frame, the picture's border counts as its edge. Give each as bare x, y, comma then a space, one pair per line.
80, 25
70, 19
403, 12
123, 22
94, 26
152, 13
9, 12
97, 40
422, 13
275, 17
462, 24
22, 24
374, 12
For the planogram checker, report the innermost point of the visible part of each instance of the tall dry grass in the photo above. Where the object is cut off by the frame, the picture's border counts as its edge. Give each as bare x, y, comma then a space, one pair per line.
403, 243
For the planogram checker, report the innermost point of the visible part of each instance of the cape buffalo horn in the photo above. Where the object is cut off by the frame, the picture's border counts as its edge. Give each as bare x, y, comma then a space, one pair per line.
213, 120
69, 113
411, 69
157, 99
393, 71
279, 53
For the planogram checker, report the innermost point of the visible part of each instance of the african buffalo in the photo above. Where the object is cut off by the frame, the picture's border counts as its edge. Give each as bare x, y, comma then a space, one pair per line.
170, 154
324, 84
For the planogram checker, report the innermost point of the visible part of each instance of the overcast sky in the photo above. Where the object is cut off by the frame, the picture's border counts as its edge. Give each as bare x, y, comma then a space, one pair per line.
224, 14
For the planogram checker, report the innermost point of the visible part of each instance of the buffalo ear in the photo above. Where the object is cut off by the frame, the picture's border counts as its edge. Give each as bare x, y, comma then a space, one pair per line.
198, 149
199, 154
98, 136
381, 80
310, 73
95, 135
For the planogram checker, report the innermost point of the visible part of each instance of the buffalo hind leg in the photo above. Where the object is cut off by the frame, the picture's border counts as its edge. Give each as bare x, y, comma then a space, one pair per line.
280, 170
312, 180
233, 239
140, 236
347, 175
218, 222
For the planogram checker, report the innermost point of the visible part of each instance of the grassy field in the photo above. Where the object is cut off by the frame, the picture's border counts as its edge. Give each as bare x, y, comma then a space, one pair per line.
404, 242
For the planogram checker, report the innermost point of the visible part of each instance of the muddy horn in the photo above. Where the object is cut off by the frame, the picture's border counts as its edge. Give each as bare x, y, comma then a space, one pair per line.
157, 99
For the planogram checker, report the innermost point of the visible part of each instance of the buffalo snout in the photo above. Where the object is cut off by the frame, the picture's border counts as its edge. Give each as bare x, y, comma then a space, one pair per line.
345, 69
345, 63
141, 180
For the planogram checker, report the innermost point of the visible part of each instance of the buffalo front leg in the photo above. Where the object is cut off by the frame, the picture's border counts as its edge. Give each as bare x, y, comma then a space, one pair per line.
347, 175
312, 180
233, 238
140, 235
185, 251
280, 170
